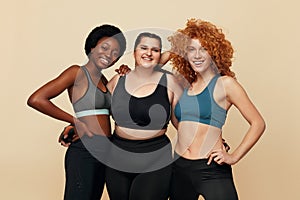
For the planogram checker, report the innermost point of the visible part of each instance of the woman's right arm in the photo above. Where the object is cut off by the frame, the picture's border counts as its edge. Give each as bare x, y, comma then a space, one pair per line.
40, 99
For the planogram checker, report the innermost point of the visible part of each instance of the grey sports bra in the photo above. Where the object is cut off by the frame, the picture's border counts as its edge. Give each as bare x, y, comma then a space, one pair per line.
94, 101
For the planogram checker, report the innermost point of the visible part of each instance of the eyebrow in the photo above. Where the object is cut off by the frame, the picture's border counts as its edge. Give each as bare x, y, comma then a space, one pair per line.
144, 45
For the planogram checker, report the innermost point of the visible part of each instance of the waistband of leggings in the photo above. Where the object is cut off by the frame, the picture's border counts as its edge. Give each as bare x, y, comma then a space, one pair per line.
91, 142
158, 138
196, 163
185, 162
141, 146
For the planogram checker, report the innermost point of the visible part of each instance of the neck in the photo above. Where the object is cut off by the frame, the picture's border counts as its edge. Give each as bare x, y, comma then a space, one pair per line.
205, 77
94, 69
143, 72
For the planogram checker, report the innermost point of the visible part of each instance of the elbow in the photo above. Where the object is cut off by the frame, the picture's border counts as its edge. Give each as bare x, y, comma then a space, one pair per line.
33, 101
264, 126
261, 126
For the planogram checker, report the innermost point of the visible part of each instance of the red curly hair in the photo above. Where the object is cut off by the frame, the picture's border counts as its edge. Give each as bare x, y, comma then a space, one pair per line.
211, 38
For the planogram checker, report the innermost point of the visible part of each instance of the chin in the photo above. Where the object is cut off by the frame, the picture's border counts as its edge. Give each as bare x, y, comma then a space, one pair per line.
148, 66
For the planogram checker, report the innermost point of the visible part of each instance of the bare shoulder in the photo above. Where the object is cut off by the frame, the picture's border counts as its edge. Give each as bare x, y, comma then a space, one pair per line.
234, 90
71, 73
73, 69
171, 78
173, 84
229, 82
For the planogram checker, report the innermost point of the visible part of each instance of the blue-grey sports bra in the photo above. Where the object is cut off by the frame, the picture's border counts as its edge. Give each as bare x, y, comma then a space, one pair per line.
94, 101
201, 107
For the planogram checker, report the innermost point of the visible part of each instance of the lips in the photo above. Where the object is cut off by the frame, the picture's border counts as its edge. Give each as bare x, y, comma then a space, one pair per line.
104, 61
147, 58
198, 62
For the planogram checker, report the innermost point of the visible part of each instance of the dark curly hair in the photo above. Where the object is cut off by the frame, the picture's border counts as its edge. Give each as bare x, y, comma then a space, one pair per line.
105, 30
211, 38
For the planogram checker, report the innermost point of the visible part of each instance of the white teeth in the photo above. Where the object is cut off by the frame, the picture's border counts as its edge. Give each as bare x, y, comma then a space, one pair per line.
198, 62
104, 60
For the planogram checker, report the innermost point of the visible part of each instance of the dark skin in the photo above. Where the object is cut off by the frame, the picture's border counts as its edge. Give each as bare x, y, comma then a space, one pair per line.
122, 70
41, 101
75, 82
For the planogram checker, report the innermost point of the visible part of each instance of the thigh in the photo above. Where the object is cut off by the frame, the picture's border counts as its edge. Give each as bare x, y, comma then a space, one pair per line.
219, 189
181, 185
152, 185
118, 184
85, 175
217, 183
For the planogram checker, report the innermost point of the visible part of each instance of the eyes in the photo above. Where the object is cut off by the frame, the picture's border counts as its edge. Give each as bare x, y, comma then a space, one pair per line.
146, 48
107, 47
191, 49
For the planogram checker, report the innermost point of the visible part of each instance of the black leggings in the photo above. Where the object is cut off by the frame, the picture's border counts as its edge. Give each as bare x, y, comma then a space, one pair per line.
85, 174
192, 178
140, 175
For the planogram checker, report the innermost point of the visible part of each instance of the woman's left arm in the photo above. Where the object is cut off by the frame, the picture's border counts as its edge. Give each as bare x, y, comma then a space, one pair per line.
237, 96
165, 57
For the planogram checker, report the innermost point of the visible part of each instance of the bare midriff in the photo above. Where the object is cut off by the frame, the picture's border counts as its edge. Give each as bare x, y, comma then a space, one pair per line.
197, 140
98, 124
138, 134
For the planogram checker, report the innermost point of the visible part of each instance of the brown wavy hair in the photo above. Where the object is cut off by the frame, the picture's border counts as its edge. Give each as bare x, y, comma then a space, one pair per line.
211, 38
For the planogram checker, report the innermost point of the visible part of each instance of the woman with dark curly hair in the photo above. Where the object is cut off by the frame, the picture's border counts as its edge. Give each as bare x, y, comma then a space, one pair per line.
202, 55
86, 86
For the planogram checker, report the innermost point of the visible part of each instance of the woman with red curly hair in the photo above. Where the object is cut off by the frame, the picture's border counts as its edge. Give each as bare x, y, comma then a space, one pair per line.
203, 57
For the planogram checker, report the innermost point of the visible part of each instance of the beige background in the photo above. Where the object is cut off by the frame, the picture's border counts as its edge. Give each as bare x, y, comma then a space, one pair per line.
41, 38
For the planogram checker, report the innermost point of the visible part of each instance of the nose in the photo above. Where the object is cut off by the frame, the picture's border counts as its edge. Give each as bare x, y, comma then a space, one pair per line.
149, 52
198, 54
108, 53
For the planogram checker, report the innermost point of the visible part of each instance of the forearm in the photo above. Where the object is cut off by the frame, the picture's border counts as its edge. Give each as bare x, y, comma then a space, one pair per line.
48, 108
252, 136
165, 57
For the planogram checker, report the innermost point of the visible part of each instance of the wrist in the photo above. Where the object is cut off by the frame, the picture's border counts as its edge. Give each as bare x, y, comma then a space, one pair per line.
75, 121
234, 158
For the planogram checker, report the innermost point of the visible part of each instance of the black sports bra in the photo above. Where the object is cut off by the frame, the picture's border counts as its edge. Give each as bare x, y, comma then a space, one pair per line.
151, 112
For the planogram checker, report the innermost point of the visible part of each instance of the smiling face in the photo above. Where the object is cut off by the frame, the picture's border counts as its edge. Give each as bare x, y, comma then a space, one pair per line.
198, 57
105, 53
147, 53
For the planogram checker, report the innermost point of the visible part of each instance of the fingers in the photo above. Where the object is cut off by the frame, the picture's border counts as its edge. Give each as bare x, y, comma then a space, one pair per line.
75, 137
217, 156
123, 70
219, 159
209, 160
65, 133
65, 144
